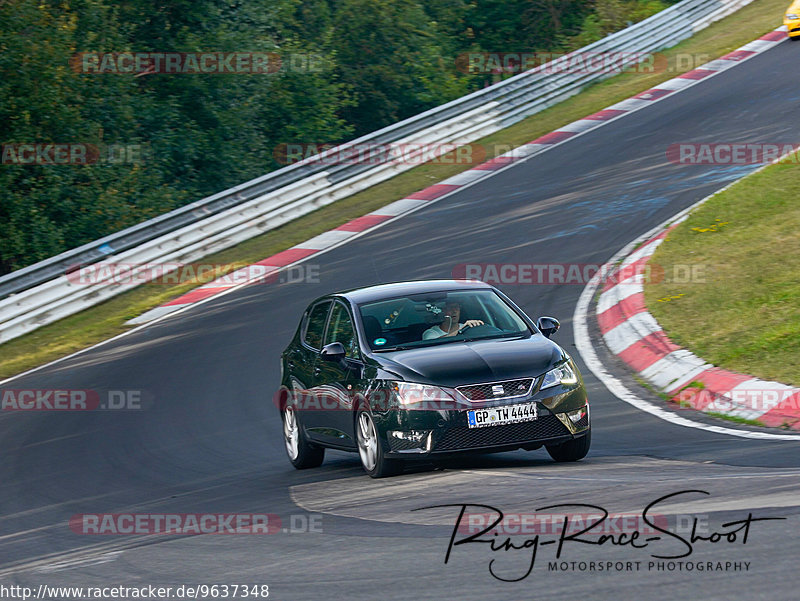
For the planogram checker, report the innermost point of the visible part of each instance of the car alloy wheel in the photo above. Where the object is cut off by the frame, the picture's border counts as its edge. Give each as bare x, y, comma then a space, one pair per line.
370, 450
367, 441
290, 433
301, 453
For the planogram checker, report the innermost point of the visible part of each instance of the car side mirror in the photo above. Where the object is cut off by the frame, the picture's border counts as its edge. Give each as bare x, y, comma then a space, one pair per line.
548, 325
333, 352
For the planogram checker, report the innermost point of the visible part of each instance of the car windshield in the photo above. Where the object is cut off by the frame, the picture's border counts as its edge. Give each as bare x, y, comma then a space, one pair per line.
430, 319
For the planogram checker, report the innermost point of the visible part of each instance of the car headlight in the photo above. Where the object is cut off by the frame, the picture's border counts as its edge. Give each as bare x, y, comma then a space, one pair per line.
432, 397
563, 374
791, 16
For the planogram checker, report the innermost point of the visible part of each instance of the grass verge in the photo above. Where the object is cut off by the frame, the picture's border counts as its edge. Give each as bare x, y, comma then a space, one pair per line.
108, 319
742, 310
736, 419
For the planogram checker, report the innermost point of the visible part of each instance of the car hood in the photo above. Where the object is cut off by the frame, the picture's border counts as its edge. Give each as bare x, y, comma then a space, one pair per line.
458, 363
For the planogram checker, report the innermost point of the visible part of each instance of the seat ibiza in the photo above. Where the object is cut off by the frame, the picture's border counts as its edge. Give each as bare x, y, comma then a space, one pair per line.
426, 369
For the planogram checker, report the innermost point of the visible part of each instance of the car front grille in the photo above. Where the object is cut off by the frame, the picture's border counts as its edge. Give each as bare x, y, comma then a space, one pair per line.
399, 444
462, 437
491, 390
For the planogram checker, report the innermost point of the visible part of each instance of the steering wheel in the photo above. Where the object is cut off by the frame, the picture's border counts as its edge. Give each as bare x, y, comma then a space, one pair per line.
484, 329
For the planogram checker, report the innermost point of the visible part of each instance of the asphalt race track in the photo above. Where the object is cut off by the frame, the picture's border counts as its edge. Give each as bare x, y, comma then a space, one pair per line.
208, 438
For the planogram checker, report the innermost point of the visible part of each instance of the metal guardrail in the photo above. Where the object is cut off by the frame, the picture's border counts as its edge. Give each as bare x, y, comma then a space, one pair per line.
42, 293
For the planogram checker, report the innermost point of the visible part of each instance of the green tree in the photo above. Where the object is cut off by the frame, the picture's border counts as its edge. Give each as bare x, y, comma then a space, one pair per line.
375, 62
388, 53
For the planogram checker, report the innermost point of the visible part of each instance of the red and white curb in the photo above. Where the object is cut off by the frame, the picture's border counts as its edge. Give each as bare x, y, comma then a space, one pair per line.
354, 228
632, 333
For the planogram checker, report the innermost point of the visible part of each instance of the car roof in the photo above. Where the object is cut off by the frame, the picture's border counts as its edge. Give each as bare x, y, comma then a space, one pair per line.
384, 291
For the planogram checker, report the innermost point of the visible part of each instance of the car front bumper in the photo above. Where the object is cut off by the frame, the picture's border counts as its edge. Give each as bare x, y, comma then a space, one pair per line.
420, 434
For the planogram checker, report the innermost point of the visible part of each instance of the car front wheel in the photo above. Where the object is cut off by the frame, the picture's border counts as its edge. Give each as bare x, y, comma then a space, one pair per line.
301, 453
572, 450
370, 450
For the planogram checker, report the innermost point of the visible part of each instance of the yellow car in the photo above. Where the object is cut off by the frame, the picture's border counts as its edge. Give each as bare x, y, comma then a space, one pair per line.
792, 20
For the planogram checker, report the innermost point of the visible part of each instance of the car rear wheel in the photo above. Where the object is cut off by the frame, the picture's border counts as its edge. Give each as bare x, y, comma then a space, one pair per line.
370, 450
572, 450
301, 453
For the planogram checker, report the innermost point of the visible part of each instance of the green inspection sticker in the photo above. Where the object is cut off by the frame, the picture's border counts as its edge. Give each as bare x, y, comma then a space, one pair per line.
379, 341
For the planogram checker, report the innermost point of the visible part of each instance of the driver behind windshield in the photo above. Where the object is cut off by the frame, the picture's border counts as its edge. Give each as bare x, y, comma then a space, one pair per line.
450, 324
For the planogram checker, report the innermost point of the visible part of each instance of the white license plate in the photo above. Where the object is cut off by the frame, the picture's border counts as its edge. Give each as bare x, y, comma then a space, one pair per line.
510, 414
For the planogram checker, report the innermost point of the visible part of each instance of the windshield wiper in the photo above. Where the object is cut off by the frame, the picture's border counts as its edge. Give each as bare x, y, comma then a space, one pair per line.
494, 337
448, 340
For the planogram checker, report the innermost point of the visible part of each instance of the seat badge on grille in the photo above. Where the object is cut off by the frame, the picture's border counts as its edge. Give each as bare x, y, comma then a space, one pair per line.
497, 390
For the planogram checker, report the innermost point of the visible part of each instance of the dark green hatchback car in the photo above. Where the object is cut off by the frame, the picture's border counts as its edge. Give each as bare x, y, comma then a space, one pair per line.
419, 370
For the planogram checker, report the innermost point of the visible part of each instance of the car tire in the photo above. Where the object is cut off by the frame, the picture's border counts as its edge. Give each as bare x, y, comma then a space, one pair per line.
370, 450
301, 453
572, 450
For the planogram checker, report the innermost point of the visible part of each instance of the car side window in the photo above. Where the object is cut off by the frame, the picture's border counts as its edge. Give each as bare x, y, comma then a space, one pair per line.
340, 329
315, 324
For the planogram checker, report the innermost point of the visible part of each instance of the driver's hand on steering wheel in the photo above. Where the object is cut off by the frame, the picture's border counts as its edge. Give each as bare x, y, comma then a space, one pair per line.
471, 323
